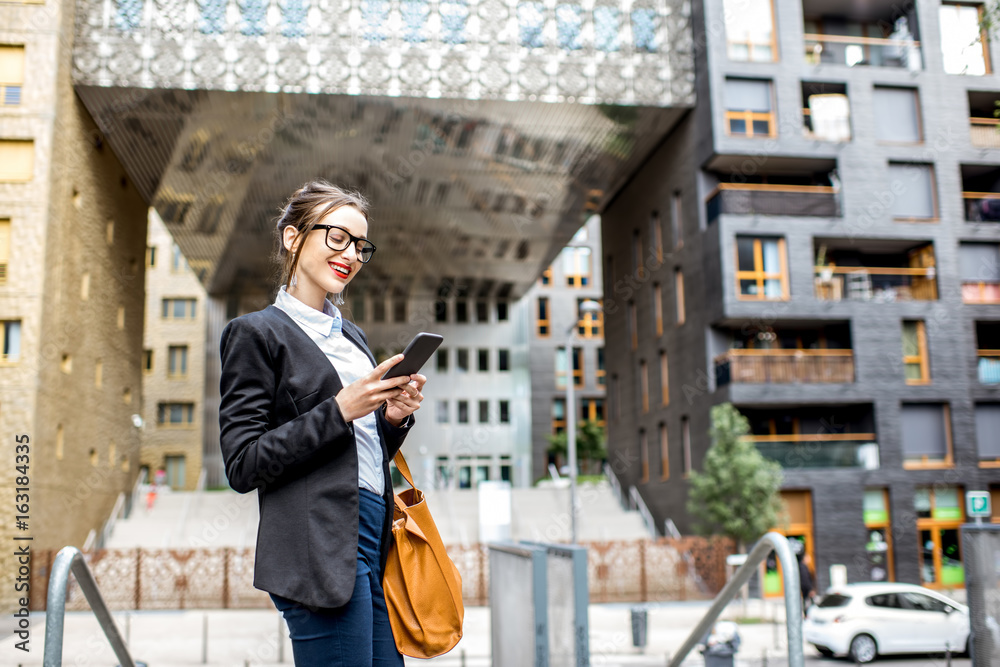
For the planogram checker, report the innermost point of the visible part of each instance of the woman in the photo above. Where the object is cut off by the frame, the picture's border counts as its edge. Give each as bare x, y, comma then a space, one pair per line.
306, 420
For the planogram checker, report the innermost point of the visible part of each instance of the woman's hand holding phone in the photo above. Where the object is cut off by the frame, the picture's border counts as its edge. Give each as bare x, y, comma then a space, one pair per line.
405, 403
366, 395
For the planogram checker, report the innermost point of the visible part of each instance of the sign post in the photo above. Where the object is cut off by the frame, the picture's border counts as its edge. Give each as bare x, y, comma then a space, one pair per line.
977, 505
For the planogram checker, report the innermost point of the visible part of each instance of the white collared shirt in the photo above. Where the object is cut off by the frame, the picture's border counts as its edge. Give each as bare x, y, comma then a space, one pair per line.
324, 328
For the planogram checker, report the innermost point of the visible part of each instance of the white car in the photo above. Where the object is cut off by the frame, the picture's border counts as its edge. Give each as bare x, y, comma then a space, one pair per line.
862, 621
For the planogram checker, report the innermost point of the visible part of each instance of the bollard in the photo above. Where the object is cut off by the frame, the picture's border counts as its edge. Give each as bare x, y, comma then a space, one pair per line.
204, 639
763, 657
947, 654
281, 639
640, 624
462, 657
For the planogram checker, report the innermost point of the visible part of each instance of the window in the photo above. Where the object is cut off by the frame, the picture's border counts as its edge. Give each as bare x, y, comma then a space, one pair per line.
664, 453
462, 311
826, 112
633, 325
66, 364
576, 266
926, 435
177, 361
963, 41
175, 469
177, 263
915, 364
378, 308
546, 277
121, 317
676, 221
175, 414
637, 265
441, 360
897, 115
151, 256
987, 428
686, 443
442, 412
482, 311
592, 409
503, 359
484, 412
578, 379
979, 267
589, 325
656, 233
664, 379
658, 308
502, 311
558, 415
4, 249
11, 74
483, 360
679, 296
876, 515
748, 108
543, 317
178, 309
644, 456
644, 385
440, 311
17, 160
504, 412
60, 442
601, 373
762, 270
147, 362
463, 412
399, 308
358, 308
462, 360
10, 345
750, 30
912, 186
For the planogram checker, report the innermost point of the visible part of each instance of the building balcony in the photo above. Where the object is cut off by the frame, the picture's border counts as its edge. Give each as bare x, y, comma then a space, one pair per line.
881, 271
829, 450
981, 189
982, 206
785, 366
981, 292
984, 132
988, 368
772, 199
862, 51
817, 436
979, 264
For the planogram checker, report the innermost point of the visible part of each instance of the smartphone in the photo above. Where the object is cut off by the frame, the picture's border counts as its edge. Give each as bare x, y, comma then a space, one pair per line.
416, 355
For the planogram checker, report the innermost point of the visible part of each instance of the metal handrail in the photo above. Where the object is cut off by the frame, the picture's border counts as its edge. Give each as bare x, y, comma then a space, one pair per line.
647, 516
793, 601
69, 559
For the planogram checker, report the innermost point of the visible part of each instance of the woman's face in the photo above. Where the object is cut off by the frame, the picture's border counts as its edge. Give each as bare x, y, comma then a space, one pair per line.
321, 270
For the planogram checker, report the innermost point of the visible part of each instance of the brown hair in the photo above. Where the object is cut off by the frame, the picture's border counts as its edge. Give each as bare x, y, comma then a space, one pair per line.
304, 210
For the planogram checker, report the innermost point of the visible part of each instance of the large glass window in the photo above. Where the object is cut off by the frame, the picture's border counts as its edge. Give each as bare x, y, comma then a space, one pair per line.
915, 364
10, 344
175, 414
878, 547
979, 266
761, 268
963, 46
17, 160
178, 361
939, 515
897, 115
748, 108
576, 266
750, 30
988, 433
543, 317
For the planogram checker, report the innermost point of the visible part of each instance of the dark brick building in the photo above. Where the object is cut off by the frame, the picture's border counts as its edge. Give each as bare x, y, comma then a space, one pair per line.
818, 242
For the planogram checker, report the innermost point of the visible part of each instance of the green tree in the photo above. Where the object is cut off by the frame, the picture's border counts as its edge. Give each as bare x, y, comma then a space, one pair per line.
737, 493
591, 444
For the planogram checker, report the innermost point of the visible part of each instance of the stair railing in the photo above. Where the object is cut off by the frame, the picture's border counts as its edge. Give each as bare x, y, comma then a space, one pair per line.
793, 600
69, 559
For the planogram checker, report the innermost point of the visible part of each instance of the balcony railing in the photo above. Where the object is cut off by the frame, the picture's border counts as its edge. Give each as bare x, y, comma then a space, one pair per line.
824, 450
767, 199
981, 292
875, 283
785, 366
989, 366
982, 206
862, 51
984, 132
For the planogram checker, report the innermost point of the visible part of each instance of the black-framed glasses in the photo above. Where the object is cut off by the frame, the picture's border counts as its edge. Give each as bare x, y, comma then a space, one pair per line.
338, 238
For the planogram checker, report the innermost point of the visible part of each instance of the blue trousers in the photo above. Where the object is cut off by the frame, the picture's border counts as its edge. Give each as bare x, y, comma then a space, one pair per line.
357, 634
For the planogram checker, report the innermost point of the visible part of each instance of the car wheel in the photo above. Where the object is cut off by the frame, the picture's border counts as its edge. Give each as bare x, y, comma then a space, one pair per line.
863, 649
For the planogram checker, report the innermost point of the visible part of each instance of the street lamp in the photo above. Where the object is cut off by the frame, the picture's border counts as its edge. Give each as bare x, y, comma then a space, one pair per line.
586, 306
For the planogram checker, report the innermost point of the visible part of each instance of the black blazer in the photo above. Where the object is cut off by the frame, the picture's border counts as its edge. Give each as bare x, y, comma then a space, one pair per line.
282, 433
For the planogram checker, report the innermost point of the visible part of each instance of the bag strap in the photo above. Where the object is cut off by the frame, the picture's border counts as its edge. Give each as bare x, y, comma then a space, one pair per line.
404, 469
